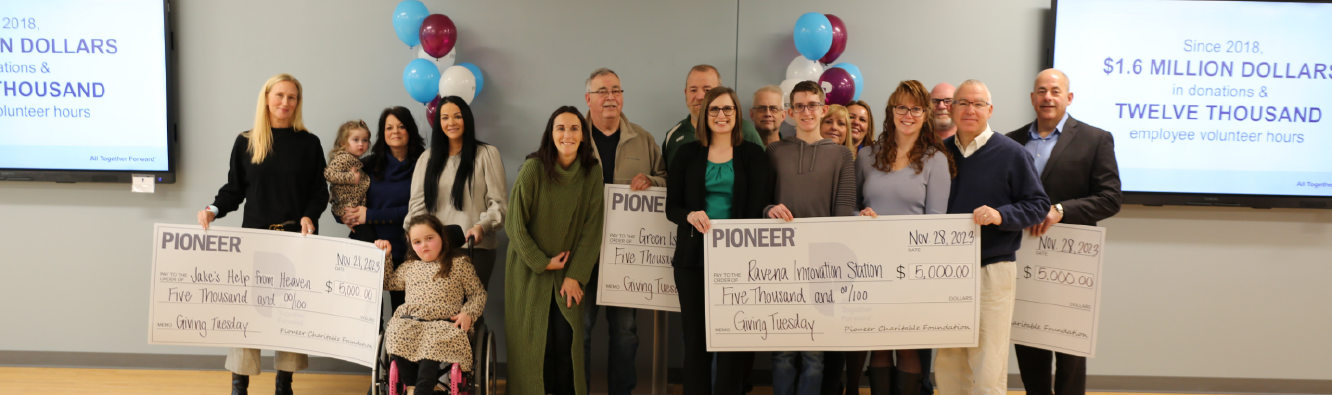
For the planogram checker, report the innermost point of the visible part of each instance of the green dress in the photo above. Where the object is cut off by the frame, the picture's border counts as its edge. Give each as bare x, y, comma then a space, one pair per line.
547, 217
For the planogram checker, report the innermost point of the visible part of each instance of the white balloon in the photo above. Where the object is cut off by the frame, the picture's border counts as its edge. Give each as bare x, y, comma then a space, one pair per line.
442, 63
804, 69
457, 81
787, 86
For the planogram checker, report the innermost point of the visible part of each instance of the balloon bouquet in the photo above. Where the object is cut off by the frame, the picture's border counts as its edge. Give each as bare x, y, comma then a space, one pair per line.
432, 74
821, 38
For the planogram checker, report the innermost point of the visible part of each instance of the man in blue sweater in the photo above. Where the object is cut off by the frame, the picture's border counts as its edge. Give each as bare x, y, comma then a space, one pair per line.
996, 183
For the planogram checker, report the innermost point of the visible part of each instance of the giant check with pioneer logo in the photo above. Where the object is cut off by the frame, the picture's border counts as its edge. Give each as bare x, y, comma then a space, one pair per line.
843, 283
233, 287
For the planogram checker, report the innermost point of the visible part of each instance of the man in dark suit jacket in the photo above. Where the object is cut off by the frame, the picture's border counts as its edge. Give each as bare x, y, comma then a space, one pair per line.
1077, 167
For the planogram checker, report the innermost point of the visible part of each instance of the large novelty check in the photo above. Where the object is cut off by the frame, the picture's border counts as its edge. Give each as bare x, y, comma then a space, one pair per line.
1059, 289
636, 249
232, 287
843, 283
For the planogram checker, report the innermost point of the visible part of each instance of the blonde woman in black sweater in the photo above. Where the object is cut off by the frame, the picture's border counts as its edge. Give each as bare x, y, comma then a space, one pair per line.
277, 170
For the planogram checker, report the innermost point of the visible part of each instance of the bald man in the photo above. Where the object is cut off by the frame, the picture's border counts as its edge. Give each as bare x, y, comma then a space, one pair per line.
996, 184
941, 97
1077, 167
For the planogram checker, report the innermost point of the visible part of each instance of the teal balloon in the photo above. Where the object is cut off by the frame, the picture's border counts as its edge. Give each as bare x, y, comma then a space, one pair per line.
476, 72
855, 76
407, 19
421, 78
813, 35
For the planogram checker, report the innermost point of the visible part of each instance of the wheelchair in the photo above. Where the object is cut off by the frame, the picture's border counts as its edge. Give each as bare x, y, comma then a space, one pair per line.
480, 381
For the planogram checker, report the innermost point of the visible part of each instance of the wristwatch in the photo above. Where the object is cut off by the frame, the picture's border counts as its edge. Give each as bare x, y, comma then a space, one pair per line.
1060, 208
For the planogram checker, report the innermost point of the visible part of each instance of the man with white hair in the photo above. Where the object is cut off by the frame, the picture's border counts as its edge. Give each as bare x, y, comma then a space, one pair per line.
628, 155
996, 183
767, 113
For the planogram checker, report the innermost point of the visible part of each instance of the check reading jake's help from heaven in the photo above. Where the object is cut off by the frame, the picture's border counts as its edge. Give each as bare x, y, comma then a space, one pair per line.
843, 283
1059, 289
232, 287
636, 249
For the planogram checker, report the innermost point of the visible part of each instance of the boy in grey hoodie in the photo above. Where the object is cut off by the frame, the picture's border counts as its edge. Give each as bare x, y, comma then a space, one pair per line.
815, 177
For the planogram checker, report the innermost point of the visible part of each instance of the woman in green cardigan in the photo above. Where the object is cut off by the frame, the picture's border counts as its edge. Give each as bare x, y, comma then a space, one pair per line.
555, 212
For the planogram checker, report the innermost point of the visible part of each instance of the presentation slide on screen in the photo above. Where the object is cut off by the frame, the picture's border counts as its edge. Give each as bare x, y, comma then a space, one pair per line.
83, 85
1225, 97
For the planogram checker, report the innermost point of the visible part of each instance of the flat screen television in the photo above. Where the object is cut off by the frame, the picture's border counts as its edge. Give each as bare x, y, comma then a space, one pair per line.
86, 91
1214, 103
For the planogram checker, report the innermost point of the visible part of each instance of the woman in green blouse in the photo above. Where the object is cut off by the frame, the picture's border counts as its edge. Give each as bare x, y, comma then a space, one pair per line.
720, 176
555, 212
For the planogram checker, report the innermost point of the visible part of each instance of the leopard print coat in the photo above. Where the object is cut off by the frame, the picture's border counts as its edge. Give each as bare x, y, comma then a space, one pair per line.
341, 174
432, 302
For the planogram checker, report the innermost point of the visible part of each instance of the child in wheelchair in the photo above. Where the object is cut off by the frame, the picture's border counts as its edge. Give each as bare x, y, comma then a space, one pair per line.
428, 334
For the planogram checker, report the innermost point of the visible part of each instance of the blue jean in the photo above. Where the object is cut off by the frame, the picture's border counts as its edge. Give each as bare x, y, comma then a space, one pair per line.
622, 377
784, 380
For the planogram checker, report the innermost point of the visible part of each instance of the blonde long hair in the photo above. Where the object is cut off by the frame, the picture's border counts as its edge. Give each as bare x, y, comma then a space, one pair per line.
261, 136
835, 112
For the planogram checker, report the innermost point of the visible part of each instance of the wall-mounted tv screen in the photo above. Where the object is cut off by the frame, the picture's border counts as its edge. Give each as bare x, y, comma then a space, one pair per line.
84, 90
1210, 102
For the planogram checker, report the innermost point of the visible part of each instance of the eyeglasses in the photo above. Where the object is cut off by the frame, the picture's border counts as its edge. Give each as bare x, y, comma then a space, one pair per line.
801, 107
944, 101
765, 109
604, 92
903, 110
728, 110
977, 104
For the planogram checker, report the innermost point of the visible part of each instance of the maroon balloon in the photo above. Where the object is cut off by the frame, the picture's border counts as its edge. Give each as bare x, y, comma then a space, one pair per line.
432, 112
438, 35
843, 86
839, 39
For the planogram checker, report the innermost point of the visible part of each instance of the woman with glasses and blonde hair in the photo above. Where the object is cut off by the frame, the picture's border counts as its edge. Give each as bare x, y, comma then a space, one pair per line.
908, 172
719, 176
277, 170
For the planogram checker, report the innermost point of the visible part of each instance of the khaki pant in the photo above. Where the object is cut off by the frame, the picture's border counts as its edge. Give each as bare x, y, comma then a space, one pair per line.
983, 370
245, 361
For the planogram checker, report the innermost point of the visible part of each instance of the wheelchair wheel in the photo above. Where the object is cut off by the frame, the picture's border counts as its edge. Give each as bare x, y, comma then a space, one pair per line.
483, 362
379, 377
489, 381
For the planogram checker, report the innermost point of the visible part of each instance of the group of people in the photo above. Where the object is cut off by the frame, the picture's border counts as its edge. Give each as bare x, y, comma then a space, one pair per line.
936, 154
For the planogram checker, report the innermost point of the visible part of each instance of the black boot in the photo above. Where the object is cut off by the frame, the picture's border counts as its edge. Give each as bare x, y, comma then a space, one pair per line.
240, 384
881, 380
283, 383
907, 383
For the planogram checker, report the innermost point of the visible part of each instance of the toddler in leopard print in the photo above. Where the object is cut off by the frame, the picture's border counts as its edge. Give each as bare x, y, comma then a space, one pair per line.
349, 183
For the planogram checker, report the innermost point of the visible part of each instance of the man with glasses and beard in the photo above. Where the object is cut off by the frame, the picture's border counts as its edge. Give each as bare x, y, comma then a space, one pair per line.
941, 97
